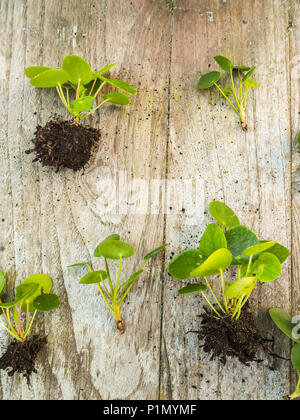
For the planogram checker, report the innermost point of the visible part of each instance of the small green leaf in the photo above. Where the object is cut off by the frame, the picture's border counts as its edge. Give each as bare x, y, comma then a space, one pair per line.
25, 292
2, 281
114, 250
119, 84
117, 98
82, 104
79, 264
154, 252
240, 238
224, 63
46, 302
94, 277
251, 83
45, 284
295, 356
78, 69
241, 68
283, 320
257, 249
241, 287
192, 288
212, 239
223, 214
249, 74
280, 251
49, 78
267, 267
208, 79
219, 260
113, 237
104, 70
35, 70
184, 263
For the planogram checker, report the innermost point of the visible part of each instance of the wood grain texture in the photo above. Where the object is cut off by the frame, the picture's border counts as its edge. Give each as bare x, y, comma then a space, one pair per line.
50, 220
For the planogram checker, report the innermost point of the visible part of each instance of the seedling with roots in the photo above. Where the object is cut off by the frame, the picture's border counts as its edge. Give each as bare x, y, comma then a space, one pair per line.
285, 323
31, 296
114, 293
76, 75
223, 245
239, 90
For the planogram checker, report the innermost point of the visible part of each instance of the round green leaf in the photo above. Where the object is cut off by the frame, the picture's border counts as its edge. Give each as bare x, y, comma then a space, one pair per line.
224, 63
49, 78
94, 277
46, 302
77, 69
295, 356
44, 285
82, 104
267, 267
104, 70
114, 250
35, 70
119, 84
280, 251
208, 79
240, 238
154, 252
219, 260
117, 98
113, 237
249, 74
283, 320
223, 214
241, 287
192, 288
257, 249
184, 263
212, 239
2, 281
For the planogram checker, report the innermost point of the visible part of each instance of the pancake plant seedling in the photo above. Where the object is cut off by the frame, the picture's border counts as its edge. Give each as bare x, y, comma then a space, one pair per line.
239, 90
76, 75
285, 323
222, 245
31, 296
114, 293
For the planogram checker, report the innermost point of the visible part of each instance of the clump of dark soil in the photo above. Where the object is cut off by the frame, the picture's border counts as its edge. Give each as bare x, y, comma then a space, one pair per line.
64, 144
20, 357
226, 337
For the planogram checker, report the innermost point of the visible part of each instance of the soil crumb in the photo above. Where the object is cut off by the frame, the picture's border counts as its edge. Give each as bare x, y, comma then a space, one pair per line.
64, 144
20, 357
227, 337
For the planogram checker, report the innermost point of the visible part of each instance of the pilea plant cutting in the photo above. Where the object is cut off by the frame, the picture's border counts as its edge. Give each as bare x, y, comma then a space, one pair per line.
67, 143
285, 323
114, 293
238, 90
228, 327
31, 296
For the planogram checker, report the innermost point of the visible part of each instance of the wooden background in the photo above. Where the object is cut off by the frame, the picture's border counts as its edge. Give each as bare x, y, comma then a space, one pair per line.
49, 220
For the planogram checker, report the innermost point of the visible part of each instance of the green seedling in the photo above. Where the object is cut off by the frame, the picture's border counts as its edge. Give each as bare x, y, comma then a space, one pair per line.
228, 244
114, 293
238, 90
31, 296
76, 76
285, 323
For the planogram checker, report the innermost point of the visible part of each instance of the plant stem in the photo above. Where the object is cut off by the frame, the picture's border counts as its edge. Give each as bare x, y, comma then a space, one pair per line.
109, 277
233, 89
249, 265
223, 291
92, 87
95, 109
118, 319
27, 331
210, 304
19, 320
214, 296
99, 89
105, 300
11, 332
226, 97
116, 289
296, 394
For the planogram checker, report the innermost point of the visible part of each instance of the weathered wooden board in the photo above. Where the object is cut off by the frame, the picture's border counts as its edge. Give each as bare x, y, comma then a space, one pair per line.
50, 220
